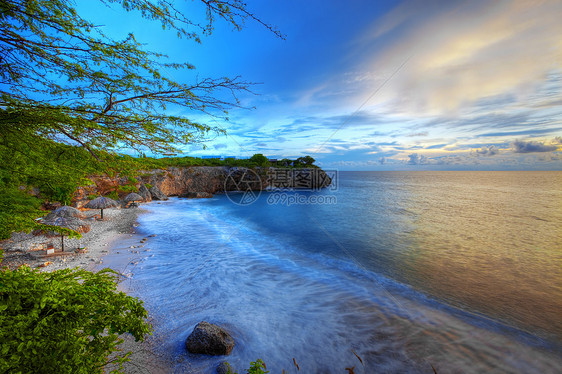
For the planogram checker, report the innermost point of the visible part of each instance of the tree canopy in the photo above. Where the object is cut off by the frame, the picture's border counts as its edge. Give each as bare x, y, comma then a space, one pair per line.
65, 80
259, 159
305, 161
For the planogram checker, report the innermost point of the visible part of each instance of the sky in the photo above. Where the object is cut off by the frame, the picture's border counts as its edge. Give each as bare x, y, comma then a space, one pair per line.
380, 85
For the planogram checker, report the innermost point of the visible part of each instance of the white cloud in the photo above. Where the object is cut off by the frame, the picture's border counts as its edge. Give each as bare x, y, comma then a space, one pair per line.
474, 50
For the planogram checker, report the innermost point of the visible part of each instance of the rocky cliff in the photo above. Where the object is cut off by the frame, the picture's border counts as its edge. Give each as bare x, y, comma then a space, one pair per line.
201, 181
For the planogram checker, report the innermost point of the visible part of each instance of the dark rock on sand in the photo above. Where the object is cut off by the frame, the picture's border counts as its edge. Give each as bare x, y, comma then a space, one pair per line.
209, 339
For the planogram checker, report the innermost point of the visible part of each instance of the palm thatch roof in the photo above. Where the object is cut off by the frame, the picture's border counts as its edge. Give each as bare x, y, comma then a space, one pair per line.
133, 197
100, 202
64, 211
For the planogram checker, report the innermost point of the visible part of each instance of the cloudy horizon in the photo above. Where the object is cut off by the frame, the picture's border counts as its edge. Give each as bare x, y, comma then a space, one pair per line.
410, 85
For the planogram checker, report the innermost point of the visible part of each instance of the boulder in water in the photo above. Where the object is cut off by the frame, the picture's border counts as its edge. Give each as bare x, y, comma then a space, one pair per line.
209, 339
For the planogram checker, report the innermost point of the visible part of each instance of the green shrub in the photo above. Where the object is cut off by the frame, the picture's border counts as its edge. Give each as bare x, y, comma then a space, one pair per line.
148, 186
127, 188
67, 321
256, 367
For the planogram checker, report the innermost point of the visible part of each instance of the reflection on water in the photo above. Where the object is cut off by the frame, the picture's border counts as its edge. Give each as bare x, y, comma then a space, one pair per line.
408, 270
490, 242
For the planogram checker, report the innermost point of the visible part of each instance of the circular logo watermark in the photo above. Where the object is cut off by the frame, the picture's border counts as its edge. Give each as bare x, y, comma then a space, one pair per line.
242, 186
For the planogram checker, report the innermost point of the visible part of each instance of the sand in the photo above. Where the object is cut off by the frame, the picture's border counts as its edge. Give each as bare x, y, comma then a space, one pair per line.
87, 253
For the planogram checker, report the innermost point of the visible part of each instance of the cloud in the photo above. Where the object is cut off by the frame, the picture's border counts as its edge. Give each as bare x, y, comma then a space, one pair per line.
220, 146
361, 118
548, 157
416, 134
488, 151
520, 146
415, 159
436, 146
530, 132
472, 146
465, 52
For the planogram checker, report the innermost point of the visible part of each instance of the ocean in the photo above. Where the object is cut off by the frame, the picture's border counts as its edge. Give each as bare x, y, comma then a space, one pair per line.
409, 271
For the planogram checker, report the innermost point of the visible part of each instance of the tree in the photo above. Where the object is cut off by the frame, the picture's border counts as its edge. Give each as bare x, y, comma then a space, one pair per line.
285, 162
305, 161
259, 159
65, 80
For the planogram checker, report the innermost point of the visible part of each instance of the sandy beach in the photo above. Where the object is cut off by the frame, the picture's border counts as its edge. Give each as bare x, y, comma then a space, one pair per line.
87, 253
118, 224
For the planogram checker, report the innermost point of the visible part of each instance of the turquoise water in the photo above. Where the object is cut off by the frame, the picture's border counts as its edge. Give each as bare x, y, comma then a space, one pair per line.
461, 271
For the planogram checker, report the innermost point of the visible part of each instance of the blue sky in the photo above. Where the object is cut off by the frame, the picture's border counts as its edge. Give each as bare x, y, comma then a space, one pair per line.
382, 85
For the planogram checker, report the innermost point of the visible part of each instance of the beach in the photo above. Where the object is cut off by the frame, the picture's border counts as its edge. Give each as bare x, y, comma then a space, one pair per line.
117, 227
118, 224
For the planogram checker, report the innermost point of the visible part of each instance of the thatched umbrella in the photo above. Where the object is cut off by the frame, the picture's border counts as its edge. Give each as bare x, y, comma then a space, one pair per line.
64, 211
71, 223
132, 198
102, 203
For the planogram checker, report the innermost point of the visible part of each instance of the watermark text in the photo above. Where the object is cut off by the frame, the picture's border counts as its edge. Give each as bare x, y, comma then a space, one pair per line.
288, 199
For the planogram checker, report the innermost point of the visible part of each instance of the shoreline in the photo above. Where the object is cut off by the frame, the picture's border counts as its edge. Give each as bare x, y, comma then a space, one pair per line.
104, 238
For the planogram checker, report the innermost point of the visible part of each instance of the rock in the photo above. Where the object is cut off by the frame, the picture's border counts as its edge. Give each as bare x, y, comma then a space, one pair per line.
157, 194
209, 339
197, 195
143, 191
224, 368
175, 181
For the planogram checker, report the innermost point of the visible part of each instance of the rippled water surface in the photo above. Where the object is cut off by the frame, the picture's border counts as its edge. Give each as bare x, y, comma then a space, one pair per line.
461, 271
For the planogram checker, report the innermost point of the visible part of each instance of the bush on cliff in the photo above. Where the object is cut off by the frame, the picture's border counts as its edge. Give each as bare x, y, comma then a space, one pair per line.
66, 321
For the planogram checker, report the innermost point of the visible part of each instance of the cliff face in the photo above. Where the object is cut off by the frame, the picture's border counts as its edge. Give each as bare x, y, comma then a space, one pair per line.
179, 181
204, 180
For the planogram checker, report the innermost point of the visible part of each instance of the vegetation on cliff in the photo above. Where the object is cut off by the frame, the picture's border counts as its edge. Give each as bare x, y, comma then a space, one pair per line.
53, 171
